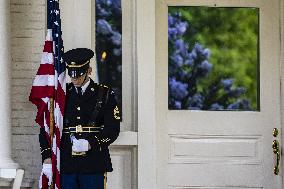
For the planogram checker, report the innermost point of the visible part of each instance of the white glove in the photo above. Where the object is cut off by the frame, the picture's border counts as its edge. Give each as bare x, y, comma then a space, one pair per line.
80, 145
47, 171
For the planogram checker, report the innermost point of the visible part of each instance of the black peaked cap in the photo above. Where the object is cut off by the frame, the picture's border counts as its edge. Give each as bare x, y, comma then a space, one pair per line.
77, 56
77, 61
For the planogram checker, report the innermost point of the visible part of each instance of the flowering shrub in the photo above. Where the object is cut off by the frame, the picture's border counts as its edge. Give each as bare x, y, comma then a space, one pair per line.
109, 44
189, 67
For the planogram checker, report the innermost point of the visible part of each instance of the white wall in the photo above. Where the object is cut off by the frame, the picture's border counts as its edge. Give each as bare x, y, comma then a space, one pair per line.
27, 39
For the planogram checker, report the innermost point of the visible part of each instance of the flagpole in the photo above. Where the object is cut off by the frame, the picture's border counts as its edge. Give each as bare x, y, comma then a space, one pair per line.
51, 131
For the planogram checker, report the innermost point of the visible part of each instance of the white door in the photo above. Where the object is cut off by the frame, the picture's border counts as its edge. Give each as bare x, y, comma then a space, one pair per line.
220, 149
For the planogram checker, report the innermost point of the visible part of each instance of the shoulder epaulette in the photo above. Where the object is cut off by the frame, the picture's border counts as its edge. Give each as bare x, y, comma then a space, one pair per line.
106, 90
103, 85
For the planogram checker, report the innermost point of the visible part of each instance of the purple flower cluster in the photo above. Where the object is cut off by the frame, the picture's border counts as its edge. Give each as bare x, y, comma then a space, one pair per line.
108, 23
187, 67
179, 89
108, 8
103, 27
109, 44
176, 27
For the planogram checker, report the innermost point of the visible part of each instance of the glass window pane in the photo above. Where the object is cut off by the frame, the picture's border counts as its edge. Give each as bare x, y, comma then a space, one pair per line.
109, 45
213, 58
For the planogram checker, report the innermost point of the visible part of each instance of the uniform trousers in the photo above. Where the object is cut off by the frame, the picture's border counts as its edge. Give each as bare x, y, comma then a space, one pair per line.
83, 181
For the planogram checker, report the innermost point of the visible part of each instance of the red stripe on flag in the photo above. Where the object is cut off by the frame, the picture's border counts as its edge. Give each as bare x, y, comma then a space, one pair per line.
60, 98
57, 178
57, 133
48, 47
41, 109
38, 92
55, 170
44, 182
46, 69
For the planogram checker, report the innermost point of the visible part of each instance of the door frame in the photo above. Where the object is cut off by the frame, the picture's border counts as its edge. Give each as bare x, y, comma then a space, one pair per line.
282, 80
145, 27
147, 161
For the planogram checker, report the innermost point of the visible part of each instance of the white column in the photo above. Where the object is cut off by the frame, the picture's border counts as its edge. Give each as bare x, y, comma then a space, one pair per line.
6, 163
77, 28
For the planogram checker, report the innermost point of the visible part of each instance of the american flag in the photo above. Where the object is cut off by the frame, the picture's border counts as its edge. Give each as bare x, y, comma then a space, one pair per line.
50, 83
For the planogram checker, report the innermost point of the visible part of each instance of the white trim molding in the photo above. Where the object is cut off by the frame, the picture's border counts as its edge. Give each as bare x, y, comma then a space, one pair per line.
146, 94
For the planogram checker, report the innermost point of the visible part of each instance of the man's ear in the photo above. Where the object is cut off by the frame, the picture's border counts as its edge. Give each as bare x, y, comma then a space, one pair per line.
89, 70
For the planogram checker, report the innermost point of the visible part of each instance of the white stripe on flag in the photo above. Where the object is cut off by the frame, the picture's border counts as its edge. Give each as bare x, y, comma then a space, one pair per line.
47, 58
62, 80
46, 127
46, 100
43, 80
58, 117
54, 144
49, 35
58, 159
56, 83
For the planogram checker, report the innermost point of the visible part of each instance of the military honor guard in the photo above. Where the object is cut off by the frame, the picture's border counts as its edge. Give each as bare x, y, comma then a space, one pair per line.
91, 124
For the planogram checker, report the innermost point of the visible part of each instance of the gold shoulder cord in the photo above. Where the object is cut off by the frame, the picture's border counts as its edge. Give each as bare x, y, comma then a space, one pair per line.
116, 113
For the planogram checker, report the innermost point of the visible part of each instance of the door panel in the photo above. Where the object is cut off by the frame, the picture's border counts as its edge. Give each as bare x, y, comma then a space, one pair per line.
122, 177
220, 149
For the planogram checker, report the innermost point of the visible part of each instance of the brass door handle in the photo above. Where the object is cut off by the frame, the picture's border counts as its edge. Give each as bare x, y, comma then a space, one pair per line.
276, 151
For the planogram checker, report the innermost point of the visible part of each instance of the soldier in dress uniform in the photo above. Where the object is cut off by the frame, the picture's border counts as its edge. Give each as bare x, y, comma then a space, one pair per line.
91, 124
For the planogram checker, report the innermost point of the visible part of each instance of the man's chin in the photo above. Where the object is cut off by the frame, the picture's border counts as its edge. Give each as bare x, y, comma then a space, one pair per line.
77, 85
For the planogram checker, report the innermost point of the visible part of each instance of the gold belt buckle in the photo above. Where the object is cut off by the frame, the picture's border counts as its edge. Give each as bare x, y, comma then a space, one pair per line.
78, 153
79, 129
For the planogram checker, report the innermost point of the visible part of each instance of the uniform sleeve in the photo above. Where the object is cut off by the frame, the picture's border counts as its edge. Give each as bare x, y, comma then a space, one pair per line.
111, 119
44, 146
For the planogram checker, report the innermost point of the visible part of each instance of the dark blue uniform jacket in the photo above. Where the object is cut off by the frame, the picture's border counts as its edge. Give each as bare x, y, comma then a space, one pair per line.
79, 111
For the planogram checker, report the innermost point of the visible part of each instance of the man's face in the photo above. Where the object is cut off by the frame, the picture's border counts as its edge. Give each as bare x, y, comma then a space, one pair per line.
78, 82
